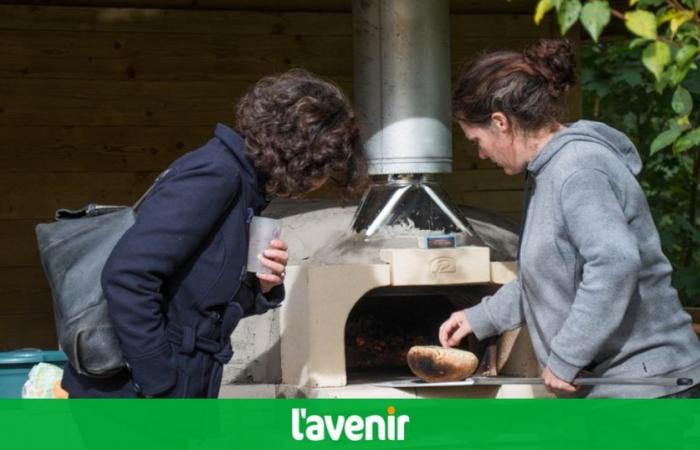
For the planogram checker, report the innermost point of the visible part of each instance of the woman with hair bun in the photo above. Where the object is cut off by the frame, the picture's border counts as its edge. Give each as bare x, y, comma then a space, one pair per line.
176, 283
593, 286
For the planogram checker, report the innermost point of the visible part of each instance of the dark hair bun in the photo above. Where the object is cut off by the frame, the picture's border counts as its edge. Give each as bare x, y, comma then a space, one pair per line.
554, 60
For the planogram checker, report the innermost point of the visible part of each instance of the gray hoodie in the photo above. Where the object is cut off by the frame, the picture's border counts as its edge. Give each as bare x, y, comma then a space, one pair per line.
594, 287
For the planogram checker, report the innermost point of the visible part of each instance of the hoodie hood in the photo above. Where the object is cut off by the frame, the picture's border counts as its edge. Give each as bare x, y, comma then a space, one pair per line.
589, 131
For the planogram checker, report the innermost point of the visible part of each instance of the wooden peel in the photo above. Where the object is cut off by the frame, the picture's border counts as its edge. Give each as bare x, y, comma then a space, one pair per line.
696, 328
433, 363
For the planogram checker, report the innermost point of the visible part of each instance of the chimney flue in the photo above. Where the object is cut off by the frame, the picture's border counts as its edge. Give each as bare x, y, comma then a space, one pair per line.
402, 84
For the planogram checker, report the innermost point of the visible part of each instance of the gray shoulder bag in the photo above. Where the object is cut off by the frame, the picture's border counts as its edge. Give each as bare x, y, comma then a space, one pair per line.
73, 251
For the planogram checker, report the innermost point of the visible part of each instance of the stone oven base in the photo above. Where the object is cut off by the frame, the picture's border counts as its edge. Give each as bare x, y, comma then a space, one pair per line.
370, 391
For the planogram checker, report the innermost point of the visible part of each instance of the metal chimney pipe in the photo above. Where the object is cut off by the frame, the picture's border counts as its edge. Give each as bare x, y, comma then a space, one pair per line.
402, 84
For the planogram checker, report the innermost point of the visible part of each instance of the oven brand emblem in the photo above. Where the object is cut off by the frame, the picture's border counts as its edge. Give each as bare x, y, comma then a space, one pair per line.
443, 264
313, 427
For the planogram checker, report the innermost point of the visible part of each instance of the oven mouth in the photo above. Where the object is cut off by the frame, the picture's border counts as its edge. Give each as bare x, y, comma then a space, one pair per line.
386, 322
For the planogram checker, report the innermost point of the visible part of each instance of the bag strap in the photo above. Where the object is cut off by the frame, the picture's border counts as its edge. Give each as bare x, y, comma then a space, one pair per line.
89, 210
148, 191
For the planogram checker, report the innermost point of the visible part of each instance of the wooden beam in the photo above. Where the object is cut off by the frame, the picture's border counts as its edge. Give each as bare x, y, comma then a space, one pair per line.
186, 22
480, 180
169, 56
18, 244
96, 149
37, 195
118, 103
28, 331
28, 289
497, 201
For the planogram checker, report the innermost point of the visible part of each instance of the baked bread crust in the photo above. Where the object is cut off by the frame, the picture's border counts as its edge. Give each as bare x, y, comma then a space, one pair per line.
433, 363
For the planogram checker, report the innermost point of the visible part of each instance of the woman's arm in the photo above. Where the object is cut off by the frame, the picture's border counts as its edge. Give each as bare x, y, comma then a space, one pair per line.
599, 230
498, 313
494, 315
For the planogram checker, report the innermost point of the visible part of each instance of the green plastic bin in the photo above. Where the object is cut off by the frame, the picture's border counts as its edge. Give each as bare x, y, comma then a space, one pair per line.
15, 367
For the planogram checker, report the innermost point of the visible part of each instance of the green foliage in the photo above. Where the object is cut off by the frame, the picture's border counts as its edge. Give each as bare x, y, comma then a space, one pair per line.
618, 91
645, 85
682, 102
642, 23
595, 16
664, 139
567, 14
656, 57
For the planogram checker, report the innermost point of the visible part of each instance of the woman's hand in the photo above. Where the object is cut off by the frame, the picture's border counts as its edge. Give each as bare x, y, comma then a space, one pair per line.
274, 258
556, 385
453, 330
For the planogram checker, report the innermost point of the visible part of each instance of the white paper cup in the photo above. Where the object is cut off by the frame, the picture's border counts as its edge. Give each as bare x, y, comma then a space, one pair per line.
262, 230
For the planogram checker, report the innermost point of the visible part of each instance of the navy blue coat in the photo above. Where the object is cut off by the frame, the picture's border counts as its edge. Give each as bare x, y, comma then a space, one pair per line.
176, 283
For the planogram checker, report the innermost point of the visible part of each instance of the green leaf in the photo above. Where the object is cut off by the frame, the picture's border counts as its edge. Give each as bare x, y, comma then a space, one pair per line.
637, 42
543, 7
688, 140
682, 102
679, 18
594, 17
676, 74
602, 89
664, 139
686, 54
642, 23
629, 120
630, 76
681, 123
655, 57
567, 14
660, 85
665, 17
692, 82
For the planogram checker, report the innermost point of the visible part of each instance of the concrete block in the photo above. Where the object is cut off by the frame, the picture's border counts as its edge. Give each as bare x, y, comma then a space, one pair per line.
248, 391
503, 272
313, 319
461, 265
256, 351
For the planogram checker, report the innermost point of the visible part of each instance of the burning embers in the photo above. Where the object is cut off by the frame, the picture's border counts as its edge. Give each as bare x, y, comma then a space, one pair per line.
387, 322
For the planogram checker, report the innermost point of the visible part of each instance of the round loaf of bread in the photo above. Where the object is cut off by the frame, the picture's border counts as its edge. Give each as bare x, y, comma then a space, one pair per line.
433, 363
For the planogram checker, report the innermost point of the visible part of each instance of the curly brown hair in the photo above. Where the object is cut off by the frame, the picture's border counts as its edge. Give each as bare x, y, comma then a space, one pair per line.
529, 86
300, 130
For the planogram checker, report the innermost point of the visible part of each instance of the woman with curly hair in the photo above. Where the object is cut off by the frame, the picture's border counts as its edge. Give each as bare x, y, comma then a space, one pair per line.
593, 286
176, 283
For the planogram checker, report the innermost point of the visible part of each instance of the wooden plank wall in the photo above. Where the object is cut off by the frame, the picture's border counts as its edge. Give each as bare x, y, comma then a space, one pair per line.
95, 101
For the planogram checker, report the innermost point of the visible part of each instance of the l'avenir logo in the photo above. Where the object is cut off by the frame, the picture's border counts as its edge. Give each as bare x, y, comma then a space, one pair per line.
315, 427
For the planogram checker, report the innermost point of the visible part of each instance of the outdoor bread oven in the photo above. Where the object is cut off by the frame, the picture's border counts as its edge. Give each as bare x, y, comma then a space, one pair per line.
354, 307
353, 310
365, 283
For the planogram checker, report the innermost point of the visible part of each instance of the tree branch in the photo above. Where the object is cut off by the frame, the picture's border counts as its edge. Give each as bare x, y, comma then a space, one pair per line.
674, 4
617, 14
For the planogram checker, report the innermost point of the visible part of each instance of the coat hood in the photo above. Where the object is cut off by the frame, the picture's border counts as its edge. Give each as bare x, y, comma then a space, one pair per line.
236, 144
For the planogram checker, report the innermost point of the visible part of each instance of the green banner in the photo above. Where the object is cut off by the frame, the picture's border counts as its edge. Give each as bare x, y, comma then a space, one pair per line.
356, 424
